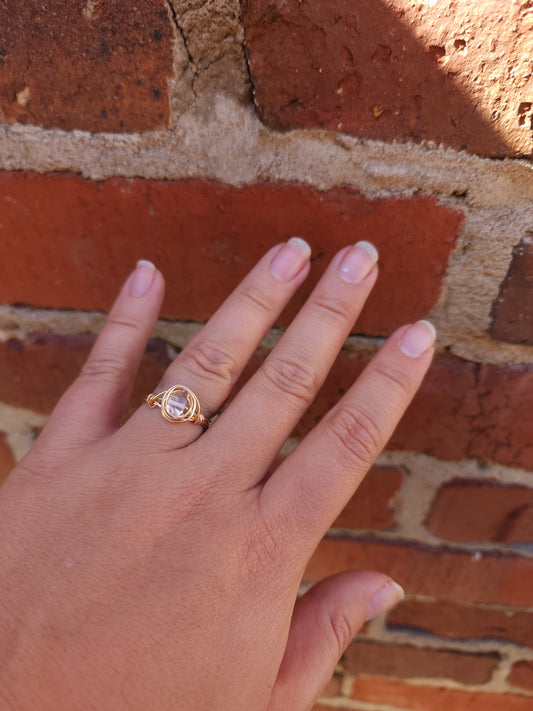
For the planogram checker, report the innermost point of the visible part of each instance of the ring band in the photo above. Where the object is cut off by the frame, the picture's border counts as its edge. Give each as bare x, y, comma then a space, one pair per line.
178, 404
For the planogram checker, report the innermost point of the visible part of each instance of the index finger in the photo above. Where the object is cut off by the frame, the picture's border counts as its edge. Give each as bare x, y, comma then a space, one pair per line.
313, 484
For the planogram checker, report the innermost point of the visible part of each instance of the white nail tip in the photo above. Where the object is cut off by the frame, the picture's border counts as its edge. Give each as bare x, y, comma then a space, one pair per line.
369, 249
300, 244
430, 327
145, 263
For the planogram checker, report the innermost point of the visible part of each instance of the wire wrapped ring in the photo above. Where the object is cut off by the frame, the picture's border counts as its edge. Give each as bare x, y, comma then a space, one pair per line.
178, 404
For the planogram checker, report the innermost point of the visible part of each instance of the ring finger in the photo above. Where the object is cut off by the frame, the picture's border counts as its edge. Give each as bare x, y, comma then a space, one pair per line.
212, 362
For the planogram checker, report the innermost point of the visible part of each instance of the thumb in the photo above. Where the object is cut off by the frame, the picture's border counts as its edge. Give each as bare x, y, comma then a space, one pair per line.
324, 622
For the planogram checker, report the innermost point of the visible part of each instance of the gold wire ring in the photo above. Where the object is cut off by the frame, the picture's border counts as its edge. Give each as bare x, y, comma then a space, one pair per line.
178, 404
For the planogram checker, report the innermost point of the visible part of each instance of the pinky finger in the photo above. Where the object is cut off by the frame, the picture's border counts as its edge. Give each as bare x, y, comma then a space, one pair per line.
96, 401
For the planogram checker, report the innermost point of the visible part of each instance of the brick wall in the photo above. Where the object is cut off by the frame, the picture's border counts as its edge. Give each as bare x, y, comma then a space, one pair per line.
196, 134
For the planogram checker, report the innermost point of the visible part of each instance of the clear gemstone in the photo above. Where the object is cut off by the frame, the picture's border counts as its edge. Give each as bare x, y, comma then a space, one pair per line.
177, 403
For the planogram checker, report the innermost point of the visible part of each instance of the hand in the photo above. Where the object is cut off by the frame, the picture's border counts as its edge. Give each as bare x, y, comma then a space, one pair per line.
156, 566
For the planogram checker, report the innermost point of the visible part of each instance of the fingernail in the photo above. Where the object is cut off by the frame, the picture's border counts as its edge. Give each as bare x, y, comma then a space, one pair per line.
290, 259
418, 339
385, 598
358, 262
142, 278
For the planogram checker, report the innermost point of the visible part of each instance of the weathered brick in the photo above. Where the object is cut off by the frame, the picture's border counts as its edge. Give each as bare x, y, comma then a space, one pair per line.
470, 578
370, 506
521, 675
41, 368
395, 70
205, 237
466, 510
86, 65
7, 460
513, 310
456, 621
463, 409
404, 661
410, 697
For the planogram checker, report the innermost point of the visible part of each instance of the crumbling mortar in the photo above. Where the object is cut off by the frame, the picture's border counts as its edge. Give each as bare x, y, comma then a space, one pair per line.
183, 35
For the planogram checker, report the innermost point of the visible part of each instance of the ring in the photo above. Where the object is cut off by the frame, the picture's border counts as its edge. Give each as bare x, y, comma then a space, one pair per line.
178, 404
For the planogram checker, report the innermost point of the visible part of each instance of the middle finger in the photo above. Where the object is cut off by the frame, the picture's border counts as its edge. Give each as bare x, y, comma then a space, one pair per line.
263, 414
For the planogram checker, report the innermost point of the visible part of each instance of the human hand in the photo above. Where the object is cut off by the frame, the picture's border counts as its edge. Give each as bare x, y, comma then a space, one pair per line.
156, 566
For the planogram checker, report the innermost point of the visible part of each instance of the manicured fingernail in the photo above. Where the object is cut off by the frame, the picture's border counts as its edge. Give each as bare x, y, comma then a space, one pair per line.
142, 278
385, 598
418, 339
290, 259
358, 262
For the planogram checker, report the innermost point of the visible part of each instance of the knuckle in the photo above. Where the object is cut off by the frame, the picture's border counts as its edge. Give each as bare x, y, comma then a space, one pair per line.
341, 628
210, 359
333, 309
104, 367
291, 377
394, 378
125, 321
258, 299
357, 433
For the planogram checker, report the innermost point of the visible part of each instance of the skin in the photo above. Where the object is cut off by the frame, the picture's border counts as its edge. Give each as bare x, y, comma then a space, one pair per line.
156, 566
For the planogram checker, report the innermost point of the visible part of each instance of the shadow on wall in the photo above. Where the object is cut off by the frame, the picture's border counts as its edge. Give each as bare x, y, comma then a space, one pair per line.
396, 70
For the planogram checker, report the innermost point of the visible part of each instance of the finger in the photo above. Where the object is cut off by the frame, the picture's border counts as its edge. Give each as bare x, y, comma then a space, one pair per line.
96, 401
270, 405
316, 480
214, 359
324, 622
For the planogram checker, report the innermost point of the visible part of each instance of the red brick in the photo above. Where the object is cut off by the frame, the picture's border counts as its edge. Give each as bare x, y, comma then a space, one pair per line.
404, 661
7, 460
522, 675
205, 237
41, 368
513, 310
394, 70
448, 575
370, 506
505, 399
462, 410
456, 621
408, 697
86, 65
482, 511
